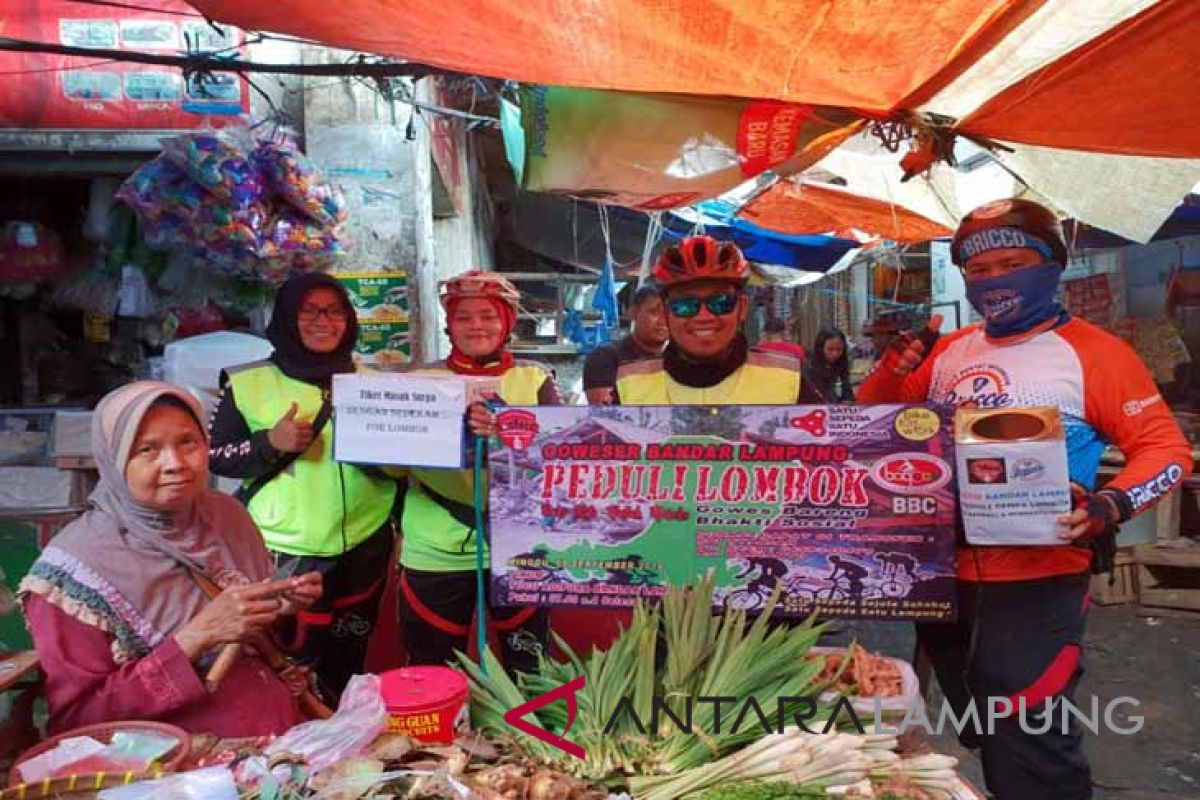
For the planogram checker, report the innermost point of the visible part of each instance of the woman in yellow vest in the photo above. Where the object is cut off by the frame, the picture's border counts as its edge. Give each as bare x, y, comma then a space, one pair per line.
707, 360
437, 551
272, 430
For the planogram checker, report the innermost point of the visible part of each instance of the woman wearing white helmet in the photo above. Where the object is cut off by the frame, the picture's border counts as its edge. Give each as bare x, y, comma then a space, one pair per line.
437, 555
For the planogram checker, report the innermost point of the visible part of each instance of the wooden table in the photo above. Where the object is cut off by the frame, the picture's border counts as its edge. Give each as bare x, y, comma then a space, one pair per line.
16, 667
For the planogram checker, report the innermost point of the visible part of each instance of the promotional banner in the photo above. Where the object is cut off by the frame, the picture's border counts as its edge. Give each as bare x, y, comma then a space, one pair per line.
850, 508
53, 91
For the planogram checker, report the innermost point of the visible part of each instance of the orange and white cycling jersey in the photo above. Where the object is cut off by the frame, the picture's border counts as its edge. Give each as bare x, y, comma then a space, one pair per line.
1106, 396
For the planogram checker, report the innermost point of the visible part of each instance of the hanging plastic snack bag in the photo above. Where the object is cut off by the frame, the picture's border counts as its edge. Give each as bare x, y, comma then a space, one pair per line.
295, 179
220, 164
167, 231
166, 200
135, 299
145, 190
230, 234
291, 232
297, 244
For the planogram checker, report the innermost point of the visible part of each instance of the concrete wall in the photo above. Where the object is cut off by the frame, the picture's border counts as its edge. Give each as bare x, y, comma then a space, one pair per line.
462, 239
381, 156
285, 92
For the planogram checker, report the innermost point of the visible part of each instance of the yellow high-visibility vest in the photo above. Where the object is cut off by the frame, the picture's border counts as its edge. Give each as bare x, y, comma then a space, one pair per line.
434, 541
767, 378
315, 507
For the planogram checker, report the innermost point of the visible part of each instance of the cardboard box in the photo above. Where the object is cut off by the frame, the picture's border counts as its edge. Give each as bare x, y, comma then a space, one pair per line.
404, 419
1013, 481
383, 345
72, 434
380, 300
377, 296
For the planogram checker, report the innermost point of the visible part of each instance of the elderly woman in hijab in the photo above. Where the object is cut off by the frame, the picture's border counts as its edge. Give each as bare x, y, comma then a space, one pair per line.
271, 429
122, 625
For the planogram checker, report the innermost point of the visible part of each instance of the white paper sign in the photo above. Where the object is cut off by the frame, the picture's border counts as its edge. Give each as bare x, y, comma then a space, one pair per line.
401, 419
1013, 493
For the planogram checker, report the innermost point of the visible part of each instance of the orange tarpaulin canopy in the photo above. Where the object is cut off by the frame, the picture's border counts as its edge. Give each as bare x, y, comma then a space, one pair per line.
1127, 87
801, 208
854, 53
1133, 90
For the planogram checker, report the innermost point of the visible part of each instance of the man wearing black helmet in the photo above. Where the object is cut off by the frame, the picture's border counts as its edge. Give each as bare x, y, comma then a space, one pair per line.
708, 360
1021, 609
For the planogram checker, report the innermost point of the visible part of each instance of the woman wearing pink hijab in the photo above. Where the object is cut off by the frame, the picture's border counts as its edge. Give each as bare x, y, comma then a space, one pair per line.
121, 624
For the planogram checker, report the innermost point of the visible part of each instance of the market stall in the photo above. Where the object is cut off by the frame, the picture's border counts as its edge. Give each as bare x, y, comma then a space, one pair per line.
434, 732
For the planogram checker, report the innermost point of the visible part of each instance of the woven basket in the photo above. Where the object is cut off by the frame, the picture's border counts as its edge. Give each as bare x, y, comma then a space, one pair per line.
104, 733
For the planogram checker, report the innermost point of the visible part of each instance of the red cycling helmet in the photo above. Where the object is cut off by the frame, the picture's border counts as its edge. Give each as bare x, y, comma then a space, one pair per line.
700, 258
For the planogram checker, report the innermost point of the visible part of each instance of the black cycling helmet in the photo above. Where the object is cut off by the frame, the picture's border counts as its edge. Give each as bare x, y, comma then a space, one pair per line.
1024, 216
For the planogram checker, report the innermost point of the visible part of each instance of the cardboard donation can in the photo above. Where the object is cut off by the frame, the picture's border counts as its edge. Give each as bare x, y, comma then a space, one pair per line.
404, 419
1013, 481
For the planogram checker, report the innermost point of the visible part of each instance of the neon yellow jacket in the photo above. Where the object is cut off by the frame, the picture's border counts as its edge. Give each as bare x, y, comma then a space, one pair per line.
434, 539
315, 507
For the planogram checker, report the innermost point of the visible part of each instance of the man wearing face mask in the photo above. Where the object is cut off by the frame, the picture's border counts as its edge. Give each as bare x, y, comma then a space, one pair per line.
707, 360
1024, 642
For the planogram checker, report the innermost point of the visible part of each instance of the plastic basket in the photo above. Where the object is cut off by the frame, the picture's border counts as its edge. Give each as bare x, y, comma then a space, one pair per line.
104, 733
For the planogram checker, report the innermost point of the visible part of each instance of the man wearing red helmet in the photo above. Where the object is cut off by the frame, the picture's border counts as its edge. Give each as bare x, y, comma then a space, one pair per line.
1021, 609
437, 552
707, 360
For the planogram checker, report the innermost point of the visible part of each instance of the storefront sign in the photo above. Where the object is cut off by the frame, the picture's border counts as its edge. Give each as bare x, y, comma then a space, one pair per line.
67, 92
850, 508
404, 420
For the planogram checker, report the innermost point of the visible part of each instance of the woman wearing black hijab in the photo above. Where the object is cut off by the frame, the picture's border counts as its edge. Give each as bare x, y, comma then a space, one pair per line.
829, 367
271, 429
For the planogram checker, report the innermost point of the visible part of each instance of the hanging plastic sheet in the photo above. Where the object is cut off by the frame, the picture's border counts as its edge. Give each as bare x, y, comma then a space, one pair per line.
792, 206
811, 253
654, 152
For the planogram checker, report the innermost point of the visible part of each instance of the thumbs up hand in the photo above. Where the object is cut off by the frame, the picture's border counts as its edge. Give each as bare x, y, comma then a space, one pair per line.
291, 435
911, 349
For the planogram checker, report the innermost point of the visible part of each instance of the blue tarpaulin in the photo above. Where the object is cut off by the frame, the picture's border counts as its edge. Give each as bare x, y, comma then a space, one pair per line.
809, 253
568, 231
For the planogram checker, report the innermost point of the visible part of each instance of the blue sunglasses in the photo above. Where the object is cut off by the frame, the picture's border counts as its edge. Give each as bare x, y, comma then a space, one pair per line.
719, 304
